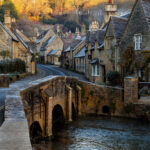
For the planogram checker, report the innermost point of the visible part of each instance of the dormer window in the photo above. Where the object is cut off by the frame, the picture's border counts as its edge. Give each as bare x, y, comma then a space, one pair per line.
138, 41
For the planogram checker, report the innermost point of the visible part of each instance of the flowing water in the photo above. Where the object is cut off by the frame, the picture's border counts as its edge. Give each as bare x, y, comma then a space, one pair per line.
97, 133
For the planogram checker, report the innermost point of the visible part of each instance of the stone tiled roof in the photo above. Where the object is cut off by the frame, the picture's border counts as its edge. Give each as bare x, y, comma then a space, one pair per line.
9, 32
81, 53
41, 36
100, 37
118, 25
23, 37
146, 8
93, 36
52, 52
47, 43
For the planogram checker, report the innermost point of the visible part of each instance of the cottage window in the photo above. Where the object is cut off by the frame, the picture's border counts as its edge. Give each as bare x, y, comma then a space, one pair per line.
138, 41
95, 70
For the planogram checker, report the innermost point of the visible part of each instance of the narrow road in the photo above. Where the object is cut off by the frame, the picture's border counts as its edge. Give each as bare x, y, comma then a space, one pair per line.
56, 70
42, 71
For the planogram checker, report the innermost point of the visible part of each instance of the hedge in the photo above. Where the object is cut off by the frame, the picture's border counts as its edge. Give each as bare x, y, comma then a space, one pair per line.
13, 65
113, 78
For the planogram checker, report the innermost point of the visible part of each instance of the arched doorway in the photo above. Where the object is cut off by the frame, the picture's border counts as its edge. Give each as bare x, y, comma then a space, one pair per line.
58, 118
35, 131
106, 110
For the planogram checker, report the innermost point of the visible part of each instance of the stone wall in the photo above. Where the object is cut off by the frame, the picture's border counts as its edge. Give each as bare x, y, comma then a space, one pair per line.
96, 97
22, 111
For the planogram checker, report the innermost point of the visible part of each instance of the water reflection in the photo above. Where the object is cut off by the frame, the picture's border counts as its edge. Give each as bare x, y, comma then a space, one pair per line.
100, 134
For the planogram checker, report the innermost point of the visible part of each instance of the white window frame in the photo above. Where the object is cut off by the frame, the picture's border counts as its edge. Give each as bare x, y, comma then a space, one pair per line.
138, 41
95, 70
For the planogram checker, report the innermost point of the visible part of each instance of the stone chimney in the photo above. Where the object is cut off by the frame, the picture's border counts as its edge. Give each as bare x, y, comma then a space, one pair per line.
83, 30
94, 26
77, 32
58, 28
7, 19
13, 20
110, 10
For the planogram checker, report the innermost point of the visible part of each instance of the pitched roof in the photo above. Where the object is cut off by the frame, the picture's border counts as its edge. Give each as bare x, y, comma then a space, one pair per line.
67, 49
41, 36
146, 8
53, 52
9, 32
93, 36
47, 43
100, 37
23, 37
81, 53
78, 42
118, 25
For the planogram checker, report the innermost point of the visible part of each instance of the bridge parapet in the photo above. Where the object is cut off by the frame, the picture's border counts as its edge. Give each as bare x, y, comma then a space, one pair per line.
35, 102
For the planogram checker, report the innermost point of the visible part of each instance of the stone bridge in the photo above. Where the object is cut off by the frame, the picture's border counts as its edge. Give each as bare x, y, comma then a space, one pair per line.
60, 99
45, 104
37, 108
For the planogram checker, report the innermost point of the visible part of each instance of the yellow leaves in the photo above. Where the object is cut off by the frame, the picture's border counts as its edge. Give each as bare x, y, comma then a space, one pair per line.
32, 7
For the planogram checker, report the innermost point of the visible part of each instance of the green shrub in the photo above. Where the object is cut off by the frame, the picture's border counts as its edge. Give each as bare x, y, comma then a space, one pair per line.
129, 108
12, 66
113, 78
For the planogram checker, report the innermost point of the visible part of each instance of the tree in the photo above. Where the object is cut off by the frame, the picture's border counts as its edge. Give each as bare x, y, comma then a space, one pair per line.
71, 25
128, 60
52, 4
8, 5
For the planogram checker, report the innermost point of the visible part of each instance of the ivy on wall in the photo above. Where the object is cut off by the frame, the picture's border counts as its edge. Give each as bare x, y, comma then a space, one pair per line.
134, 61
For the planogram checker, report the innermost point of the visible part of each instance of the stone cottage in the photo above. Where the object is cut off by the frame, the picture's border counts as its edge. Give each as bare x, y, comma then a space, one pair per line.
94, 56
112, 38
135, 42
69, 53
14, 44
50, 47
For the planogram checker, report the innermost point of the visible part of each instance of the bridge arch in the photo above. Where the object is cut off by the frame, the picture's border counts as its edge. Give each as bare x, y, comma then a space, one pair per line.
35, 130
58, 118
74, 111
106, 109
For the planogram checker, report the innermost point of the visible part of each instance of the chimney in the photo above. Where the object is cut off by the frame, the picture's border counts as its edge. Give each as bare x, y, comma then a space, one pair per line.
83, 30
110, 10
7, 19
13, 20
58, 28
77, 32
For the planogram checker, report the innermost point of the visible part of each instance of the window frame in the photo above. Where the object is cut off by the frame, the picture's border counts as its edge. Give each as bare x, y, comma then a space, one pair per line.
137, 42
95, 70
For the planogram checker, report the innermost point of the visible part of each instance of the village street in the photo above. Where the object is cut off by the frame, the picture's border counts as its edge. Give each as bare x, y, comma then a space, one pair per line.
42, 71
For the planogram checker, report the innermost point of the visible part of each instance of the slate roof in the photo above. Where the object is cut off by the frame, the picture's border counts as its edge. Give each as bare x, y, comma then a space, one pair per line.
94, 61
81, 53
52, 52
118, 25
17, 36
100, 37
23, 37
41, 36
93, 36
78, 42
126, 15
146, 8
47, 43
9, 32
67, 49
